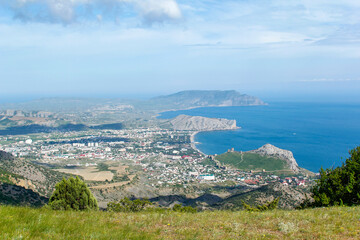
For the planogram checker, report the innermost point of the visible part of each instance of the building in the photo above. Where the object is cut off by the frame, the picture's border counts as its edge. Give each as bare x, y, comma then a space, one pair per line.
207, 177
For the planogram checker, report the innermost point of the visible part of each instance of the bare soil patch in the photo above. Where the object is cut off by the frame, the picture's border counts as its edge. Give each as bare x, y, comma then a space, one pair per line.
90, 173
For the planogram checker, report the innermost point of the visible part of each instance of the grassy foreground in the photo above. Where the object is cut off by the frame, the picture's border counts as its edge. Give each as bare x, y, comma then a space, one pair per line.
322, 223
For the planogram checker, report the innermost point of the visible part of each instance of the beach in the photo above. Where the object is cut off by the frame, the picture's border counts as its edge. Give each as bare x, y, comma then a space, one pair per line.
193, 143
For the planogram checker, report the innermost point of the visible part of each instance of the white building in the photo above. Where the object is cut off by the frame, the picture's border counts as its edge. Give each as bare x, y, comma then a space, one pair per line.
208, 177
193, 173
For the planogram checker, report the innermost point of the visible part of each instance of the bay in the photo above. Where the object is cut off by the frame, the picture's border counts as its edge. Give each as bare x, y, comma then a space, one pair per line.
318, 134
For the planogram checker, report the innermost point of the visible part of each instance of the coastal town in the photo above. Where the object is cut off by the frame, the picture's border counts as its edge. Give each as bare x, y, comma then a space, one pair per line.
163, 157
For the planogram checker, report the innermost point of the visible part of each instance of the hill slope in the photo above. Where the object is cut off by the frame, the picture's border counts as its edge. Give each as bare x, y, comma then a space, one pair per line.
267, 157
289, 197
272, 151
29, 175
17, 195
197, 123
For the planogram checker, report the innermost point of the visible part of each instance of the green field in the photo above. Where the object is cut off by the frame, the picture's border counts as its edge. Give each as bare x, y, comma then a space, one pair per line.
322, 223
252, 161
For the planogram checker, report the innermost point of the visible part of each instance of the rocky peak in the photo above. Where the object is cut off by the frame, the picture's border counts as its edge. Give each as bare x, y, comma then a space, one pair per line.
272, 151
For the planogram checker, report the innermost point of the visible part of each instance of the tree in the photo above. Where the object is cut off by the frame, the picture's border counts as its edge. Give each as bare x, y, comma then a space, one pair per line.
72, 194
127, 205
180, 208
262, 207
339, 186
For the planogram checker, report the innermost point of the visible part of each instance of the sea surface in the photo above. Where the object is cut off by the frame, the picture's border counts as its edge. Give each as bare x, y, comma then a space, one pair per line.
318, 134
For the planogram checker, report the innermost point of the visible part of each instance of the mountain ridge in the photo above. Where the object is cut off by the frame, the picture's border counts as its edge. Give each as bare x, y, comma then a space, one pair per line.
198, 123
180, 100
205, 98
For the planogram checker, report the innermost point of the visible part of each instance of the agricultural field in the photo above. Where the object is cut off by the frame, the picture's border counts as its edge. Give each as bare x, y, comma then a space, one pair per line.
89, 173
121, 169
115, 184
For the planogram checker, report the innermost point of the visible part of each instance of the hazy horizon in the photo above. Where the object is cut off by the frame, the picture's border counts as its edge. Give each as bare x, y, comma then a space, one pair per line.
267, 97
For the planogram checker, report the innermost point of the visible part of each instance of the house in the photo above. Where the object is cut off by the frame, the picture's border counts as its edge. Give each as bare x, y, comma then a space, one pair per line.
301, 183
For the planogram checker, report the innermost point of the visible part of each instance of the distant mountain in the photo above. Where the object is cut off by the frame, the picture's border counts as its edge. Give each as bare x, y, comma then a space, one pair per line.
36, 128
59, 105
198, 98
197, 123
51, 107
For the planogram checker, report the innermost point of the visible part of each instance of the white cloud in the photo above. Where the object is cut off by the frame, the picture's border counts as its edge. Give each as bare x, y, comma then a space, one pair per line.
69, 11
278, 27
158, 10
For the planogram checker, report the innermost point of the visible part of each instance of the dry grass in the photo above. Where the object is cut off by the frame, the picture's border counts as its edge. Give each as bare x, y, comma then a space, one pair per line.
90, 173
323, 223
116, 184
121, 169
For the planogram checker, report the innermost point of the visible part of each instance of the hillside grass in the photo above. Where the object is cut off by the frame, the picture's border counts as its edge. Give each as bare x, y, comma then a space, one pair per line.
252, 161
321, 223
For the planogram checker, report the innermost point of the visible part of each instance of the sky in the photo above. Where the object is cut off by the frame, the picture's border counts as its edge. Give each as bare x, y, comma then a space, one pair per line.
275, 49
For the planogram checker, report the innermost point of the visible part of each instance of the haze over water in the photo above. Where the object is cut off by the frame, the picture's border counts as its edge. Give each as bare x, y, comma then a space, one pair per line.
318, 134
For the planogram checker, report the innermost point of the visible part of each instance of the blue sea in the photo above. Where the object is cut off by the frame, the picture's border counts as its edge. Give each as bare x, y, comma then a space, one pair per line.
318, 134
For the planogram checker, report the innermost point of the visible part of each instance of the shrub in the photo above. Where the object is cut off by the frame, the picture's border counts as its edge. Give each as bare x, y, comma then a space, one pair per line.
339, 186
180, 208
72, 194
264, 207
127, 205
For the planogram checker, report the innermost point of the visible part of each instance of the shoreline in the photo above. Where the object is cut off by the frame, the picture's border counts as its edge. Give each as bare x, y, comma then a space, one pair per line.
192, 138
192, 142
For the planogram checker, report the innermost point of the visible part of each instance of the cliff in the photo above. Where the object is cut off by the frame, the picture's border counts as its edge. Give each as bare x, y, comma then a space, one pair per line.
197, 123
272, 151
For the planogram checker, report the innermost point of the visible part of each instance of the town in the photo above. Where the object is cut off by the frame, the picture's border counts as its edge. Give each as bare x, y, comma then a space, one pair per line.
163, 157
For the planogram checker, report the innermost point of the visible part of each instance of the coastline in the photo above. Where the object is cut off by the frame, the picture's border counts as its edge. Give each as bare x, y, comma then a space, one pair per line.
192, 137
192, 142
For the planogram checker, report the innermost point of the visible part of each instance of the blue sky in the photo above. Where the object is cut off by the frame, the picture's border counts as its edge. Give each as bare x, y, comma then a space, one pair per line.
280, 49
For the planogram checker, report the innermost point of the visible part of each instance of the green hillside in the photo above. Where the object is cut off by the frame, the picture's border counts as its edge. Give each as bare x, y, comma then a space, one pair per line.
252, 161
322, 223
